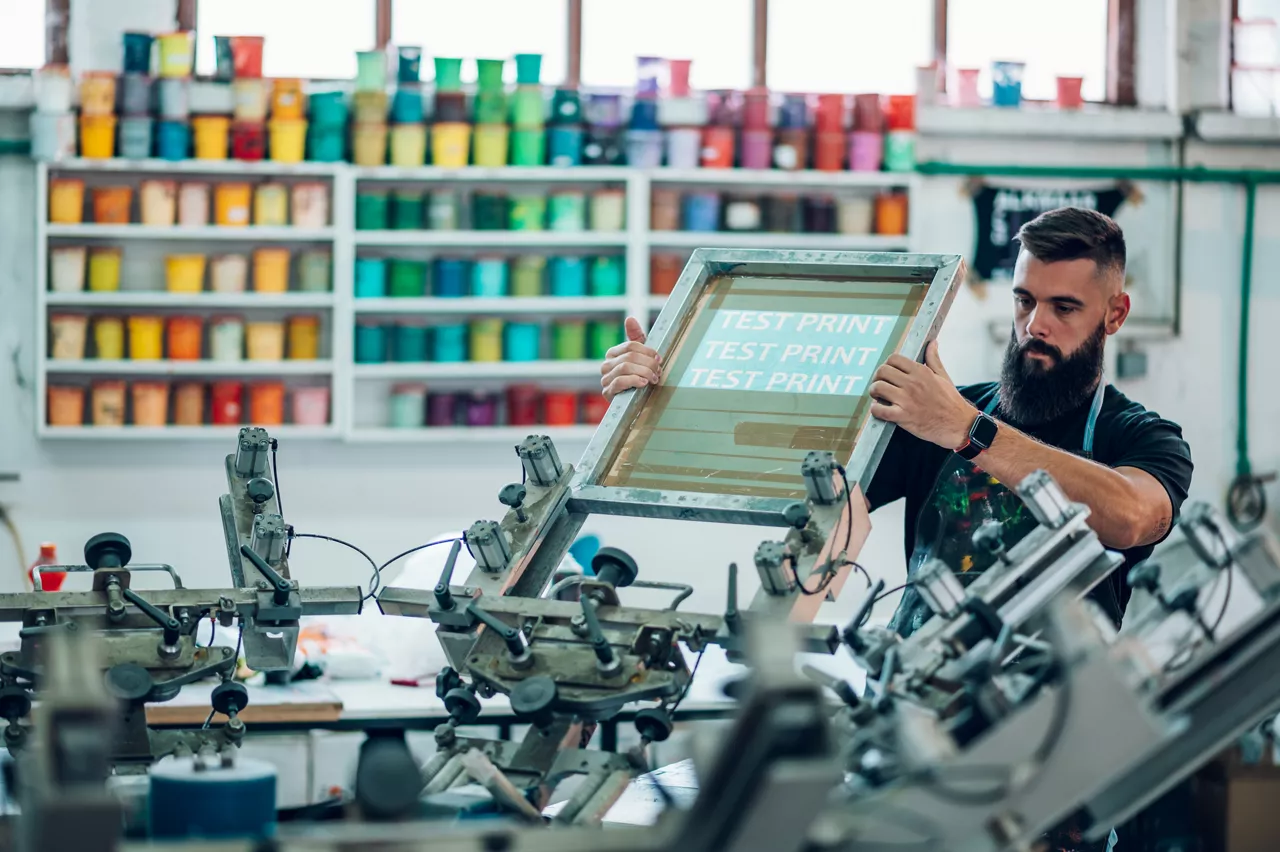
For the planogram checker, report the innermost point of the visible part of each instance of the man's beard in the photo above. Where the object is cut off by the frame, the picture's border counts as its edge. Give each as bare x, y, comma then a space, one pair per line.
1033, 393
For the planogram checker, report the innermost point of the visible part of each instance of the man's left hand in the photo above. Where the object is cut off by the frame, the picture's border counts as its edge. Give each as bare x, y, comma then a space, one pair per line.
922, 399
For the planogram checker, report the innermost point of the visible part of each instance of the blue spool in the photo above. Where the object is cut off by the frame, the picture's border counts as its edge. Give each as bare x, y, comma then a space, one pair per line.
173, 140
564, 145
524, 341
568, 276
409, 343
449, 344
406, 106
135, 138
371, 343
451, 278
218, 802
701, 211
607, 277
644, 115
489, 279
371, 277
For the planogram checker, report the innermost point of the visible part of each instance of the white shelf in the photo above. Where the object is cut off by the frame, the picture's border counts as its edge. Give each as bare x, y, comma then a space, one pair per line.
1092, 122
496, 239
469, 435
191, 166
506, 306
178, 433
480, 174
769, 240
1229, 127
781, 177
250, 233
190, 368
165, 299
544, 369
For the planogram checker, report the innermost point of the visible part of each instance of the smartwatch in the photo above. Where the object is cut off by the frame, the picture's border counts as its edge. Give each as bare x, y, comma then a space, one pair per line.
981, 435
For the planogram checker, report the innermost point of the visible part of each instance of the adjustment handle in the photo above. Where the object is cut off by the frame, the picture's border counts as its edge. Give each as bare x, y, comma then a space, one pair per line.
172, 629
281, 588
444, 597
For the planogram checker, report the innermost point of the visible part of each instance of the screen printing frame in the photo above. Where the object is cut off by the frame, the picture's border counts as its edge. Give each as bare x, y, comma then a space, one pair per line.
943, 274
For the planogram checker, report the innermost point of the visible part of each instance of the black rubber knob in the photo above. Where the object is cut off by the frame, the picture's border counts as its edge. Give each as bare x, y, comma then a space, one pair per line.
107, 550
260, 490
654, 724
532, 700
796, 515
462, 705
229, 695
388, 781
447, 680
615, 567
14, 703
1145, 576
129, 682
512, 495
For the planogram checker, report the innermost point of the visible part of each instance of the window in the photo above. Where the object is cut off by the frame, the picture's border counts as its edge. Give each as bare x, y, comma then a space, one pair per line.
715, 34
485, 29
315, 39
22, 36
849, 45
1053, 38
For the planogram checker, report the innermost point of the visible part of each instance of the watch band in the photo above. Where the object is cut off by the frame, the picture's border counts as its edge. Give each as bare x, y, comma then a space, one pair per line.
981, 435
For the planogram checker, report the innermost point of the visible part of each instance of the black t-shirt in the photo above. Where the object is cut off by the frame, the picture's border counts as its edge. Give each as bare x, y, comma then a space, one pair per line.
1126, 435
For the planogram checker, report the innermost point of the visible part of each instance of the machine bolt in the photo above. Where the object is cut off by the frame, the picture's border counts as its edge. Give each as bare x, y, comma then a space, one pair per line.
263, 585
168, 653
578, 624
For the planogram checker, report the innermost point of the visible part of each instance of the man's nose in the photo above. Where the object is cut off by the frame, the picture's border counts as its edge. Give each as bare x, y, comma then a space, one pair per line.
1037, 324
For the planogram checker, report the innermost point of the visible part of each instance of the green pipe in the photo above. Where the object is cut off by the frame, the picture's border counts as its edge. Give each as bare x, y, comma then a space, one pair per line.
1243, 466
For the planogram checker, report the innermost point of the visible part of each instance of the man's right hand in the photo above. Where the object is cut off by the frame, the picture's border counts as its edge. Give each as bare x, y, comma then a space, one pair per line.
631, 364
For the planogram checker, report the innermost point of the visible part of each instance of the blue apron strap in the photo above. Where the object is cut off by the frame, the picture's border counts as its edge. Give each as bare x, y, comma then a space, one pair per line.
1089, 426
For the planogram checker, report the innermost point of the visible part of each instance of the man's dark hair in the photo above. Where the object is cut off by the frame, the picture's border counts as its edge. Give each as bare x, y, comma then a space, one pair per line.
1073, 233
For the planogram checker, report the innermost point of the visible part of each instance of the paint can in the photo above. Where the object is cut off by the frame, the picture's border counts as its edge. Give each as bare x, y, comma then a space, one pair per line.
210, 133
523, 402
310, 204
409, 63
108, 402
408, 145
407, 278
231, 202
104, 269
528, 212
664, 212
644, 115
566, 107
108, 338
326, 143
371, 343
449, 343
188, 404
528, 147
678, 77
604, 110
651, 72
248, 140
569, 340
193, 205
757, 149
315, 271
369, 107
67, 268
98, 136
866, 151
664, 272
287, 99
560, 408
135, 138
489, 211
271, 270
186, 338
794, 112
819, 215
53, 89
97, 93
450, 278
371, 278
252, 97
783, 215
288, 140
1070, 95
603, 336
369, 144
829, 116
1006, 83
311, 406
567, 211
489, 278
854, 214
486, 340
264, 340
371, 71
608, 210
491, 145
227, 398
172, 97
684, 112
891, 214
644, 148
328, 109
829, 151
406, 105
900, 151
229, 273
444, 210
684, 147
568, 276
66, 201
69, 334
594, 407
966, 88
564, 145
490, 107
372, 210
173, 140
246, 54
451, 108
53, 136
527, 273
408, 343
742, 214
146, 338
112, 205
150, 403
718, 147
900, 114
407, 406
489, 74
442, 409
135, 95
266, 408
159, 203
408, 209
450, 144
184, 273
755, 110
701, 211
604, 147
528, 69
137, 53
869, 116
607, 277
448, 73
224, 61
792, 150
303, 334
523, 341
226, 338
482, 410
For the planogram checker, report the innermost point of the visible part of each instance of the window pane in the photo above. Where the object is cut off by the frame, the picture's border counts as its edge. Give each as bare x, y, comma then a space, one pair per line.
485, 29
22, 35
715, 34
849, 45
982, 31
305, 38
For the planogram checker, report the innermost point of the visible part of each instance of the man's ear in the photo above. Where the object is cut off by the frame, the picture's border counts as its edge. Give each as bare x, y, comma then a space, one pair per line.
1118, 307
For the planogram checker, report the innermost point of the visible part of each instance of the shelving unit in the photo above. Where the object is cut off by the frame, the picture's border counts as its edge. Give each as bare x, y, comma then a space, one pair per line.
352, 384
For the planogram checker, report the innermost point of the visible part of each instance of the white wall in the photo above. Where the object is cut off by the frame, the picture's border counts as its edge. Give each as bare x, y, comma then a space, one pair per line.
387, 499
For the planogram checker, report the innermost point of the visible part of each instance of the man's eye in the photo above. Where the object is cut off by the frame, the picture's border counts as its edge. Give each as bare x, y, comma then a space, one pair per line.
1066, 309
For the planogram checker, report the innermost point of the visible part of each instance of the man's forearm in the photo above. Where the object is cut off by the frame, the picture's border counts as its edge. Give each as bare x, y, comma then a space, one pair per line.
1118, 513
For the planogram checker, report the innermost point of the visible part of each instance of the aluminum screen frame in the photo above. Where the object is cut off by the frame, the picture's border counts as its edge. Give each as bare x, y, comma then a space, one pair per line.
943, 272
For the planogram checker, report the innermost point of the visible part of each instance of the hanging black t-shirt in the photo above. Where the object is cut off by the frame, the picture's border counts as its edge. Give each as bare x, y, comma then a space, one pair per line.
1126, 435
1001, 212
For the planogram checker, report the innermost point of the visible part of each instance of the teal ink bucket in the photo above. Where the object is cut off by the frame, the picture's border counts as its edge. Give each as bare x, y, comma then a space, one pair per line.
489, 74
326, 143
371, 278
528, 147
371, 343
567, 211
568, 276
448, 74
137, 53
173, 140
408, 208
408, 409
409, 343
489, 278
449, 344
408, 278
371, 71
409, 69
528, 69
328, 109
607, 278
523, 341
451, 278
371, 211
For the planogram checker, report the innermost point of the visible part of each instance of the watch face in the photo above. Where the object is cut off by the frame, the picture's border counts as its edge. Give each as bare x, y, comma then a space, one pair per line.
984, 431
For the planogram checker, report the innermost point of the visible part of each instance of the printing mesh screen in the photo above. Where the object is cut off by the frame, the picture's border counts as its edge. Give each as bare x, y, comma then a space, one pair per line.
764, 371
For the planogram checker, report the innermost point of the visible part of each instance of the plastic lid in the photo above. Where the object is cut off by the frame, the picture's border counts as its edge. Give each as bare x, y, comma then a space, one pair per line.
48, 550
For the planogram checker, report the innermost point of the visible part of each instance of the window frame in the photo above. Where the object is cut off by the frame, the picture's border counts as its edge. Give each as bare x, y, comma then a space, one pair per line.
57, 23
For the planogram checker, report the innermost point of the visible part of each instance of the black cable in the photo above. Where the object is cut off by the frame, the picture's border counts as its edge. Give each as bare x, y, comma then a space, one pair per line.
880, 597
234, 665
684, 692
275, 474
848, 502
374, 582
400, 556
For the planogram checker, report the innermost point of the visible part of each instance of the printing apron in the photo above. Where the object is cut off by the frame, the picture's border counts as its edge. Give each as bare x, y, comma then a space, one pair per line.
964, 497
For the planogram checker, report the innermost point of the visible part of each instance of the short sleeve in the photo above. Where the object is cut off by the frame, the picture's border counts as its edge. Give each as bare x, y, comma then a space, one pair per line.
1150, 443
892, 476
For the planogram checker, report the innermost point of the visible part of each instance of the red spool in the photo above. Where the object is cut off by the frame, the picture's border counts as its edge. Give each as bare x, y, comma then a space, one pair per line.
248, 140
717, 147
560, 408
228, 403
522, 405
